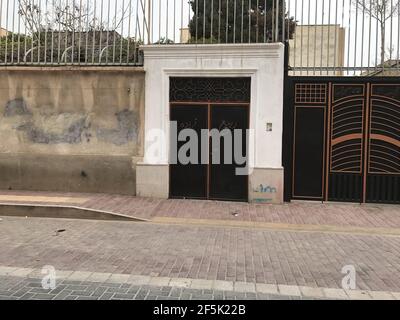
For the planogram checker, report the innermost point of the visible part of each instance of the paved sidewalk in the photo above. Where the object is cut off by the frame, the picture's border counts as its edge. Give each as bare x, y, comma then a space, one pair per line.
238, 255
313, 214
15, 288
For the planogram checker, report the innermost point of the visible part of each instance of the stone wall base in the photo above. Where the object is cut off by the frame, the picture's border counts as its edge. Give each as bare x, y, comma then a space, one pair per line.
152, 181
266, 186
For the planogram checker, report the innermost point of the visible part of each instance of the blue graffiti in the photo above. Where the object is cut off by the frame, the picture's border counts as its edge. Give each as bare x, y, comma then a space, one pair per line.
265, 189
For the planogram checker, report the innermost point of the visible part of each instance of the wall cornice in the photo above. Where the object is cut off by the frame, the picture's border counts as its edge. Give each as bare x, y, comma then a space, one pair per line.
215, 51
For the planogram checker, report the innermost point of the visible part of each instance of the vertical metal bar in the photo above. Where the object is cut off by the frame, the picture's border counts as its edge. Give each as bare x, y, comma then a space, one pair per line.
135, 58
249, 21
25, 32
277, 21
265, 21
52, 37
308, 35
315, 36
322, 36
108, 31
101, 30
273, 21
115, 30
219, 22
189, 19
128, 43
39, 29
376, 48
87, 32
283, 20
66, 31
234, 22
391, 30
369, 36
19, 35
362, 36
80, 32
295, 37
336, 38
150, 22
167, 24
174, 39
73, 31
342, 62
197, 20
1, 16
32, 34
302, 37
159, 18
45, 31
242, 24
94, 31
398, 36
349, 41
212, 21
59, 35
227, 22
6, 44
256, 11
143, 5
288, 21
355, 41
12, 34
122, 32
329, 37
204, 22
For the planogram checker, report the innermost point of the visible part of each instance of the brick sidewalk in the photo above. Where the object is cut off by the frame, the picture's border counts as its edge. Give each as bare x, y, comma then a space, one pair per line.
198, 252
345, 215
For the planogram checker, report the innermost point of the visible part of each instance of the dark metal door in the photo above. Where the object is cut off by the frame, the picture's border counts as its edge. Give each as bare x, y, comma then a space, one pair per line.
210, 103
188, 180
226, 183
342, 139
346, 129
383, 142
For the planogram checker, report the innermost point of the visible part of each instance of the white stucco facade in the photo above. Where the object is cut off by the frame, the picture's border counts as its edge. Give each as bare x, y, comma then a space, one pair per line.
264, 63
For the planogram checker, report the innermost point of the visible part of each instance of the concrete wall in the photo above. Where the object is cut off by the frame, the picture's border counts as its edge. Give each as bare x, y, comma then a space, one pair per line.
71, 129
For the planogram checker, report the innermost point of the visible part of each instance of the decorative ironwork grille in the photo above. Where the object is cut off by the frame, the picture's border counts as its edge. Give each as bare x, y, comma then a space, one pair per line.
311, 93
199, 89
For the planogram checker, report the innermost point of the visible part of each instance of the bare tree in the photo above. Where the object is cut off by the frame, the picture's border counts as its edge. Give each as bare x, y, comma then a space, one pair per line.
382, 11
67, 17
73, 24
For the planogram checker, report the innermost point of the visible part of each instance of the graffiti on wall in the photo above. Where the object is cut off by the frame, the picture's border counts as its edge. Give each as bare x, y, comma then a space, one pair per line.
70, 128
264, 193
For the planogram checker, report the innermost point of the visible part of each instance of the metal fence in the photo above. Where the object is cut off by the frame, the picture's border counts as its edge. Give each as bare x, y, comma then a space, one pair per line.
345, 37
326, 37
110, 32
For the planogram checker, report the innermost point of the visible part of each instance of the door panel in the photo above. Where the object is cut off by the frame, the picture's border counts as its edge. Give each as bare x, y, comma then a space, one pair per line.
346, 142
309, 153
188, 180
383, 180
225, 183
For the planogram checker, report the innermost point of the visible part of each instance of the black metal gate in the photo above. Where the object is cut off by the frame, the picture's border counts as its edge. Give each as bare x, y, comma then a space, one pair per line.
217, 104
342, 139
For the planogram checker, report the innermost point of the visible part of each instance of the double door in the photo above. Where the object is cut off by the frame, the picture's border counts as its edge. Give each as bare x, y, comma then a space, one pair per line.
346, 140
208, 151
